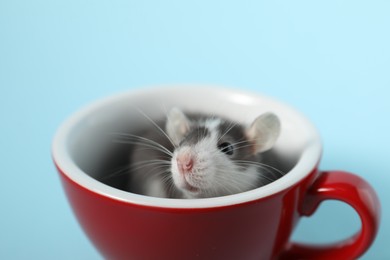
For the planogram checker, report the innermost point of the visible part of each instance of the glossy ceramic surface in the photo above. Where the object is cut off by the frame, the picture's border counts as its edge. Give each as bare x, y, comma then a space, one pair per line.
251, 225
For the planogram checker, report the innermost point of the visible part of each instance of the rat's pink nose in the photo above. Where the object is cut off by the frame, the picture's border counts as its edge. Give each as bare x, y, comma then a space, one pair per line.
185, 162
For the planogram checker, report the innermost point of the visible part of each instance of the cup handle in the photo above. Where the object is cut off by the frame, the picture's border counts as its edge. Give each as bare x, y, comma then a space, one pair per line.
353, 190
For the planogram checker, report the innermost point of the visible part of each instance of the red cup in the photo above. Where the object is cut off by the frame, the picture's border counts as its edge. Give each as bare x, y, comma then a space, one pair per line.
256, 224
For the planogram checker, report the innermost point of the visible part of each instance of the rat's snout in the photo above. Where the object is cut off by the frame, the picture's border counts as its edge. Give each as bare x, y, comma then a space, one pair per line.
185, 162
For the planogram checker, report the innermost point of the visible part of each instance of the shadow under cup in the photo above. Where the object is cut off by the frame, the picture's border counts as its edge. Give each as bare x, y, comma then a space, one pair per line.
255, 224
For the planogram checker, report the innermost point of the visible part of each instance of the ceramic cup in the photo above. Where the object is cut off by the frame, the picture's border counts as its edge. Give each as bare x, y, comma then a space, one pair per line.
256, 224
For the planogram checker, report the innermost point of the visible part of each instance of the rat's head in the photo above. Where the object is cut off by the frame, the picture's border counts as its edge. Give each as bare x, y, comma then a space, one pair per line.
214, 156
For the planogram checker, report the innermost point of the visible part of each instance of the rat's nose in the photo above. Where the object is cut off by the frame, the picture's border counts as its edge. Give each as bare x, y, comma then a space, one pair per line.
185, 162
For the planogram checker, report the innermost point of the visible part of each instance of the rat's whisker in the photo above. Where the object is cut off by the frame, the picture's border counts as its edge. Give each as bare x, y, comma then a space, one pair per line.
116, 173
232, 124
237, 181
147, 164
157, 126
135, 139
149, 168
260, 165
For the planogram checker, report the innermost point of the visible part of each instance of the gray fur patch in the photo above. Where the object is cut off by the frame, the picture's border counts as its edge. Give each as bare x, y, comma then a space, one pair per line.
195, 135
235, 135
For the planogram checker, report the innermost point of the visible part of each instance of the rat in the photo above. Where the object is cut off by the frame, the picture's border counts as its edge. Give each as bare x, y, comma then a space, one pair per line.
200, 156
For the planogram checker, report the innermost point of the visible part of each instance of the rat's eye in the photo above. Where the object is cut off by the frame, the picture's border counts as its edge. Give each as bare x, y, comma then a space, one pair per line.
226, 148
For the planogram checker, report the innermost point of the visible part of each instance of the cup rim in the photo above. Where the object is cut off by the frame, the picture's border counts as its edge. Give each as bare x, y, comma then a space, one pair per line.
306, 164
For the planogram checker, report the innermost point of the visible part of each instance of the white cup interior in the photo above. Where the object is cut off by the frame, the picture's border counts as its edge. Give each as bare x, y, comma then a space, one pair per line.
78, 147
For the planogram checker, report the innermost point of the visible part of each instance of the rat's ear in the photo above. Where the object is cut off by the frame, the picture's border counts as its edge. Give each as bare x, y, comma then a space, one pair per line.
177, 125
263, 132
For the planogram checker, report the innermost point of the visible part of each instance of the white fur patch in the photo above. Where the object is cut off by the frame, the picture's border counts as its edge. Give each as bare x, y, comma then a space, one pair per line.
212, 124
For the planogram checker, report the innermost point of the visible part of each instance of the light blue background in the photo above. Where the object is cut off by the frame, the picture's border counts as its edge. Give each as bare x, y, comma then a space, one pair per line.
329, 59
